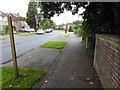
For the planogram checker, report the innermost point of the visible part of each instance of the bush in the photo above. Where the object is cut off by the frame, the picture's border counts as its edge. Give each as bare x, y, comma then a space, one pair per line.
6, 29
84, 34
2, 32
70, 29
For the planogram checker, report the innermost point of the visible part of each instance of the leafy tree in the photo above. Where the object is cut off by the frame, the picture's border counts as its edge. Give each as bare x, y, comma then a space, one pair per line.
52, 24
32, 15
47, 23
77, 22
76, 26
60, 27
99, 17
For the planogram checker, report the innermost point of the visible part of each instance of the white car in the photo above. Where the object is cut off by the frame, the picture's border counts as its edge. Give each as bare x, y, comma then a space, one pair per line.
47, 30
31, 30
40, 32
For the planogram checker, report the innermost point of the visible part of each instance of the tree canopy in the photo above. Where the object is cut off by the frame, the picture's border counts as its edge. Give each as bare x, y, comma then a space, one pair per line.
47, 23
77, 22
32, 14
99, 17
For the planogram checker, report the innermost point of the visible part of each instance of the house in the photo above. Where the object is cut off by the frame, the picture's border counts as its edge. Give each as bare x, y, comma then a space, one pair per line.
3, 20
17, 24
66, 25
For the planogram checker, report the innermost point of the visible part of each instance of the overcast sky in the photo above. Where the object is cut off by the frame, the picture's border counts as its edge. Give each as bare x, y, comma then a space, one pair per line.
21, 6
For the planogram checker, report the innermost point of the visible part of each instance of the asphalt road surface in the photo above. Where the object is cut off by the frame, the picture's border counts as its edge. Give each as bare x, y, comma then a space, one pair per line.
25, 44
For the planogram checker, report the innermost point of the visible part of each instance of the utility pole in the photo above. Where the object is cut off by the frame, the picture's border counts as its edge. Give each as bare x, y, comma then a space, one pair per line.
13, 46
66, 24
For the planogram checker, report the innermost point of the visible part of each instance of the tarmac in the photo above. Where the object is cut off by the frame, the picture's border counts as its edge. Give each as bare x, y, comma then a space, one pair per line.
71, 67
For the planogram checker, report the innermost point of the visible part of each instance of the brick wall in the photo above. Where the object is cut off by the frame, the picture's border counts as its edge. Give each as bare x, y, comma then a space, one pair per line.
107, 60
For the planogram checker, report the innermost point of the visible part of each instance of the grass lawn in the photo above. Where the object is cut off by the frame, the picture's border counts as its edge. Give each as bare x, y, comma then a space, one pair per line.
65, 35
54, 44
3, 38
26, 34
26, 79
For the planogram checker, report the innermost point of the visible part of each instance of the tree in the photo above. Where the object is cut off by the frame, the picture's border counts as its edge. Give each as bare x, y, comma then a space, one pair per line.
77, 22
99, 17
52, 24
59, 27
32, 15
47, 23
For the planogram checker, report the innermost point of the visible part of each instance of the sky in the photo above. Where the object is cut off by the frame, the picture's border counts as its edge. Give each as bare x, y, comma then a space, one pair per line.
21, 6
67, 17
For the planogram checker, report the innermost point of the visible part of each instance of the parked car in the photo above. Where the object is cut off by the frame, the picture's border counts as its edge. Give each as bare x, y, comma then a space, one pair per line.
40, 32
24, 30
51, 30
48, 30
31, 30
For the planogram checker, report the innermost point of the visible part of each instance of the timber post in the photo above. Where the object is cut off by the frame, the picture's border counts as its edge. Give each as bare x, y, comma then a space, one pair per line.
13, 46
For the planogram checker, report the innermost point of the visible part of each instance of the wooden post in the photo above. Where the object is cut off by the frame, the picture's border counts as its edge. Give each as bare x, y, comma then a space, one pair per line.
13, 46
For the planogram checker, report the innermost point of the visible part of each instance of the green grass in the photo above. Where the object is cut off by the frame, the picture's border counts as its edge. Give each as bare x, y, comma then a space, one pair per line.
54, 44
3, 38
26, 79
26, 34
65, 35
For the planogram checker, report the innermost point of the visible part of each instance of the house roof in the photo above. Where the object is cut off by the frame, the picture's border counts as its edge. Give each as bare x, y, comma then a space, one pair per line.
9, 14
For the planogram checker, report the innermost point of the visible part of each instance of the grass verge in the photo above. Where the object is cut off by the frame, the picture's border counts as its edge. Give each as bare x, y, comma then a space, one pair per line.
26, 34
26, 79
65, 35
3, 38
54, 44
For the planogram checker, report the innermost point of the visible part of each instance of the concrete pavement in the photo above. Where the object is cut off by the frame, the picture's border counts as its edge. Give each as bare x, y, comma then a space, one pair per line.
74, 70
70, 67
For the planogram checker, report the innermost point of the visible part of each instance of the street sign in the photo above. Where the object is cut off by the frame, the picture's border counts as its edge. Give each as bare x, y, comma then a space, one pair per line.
10, 19
18, 19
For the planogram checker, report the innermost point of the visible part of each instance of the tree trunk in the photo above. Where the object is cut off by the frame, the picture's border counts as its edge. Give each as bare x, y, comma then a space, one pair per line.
35, 27
65, 31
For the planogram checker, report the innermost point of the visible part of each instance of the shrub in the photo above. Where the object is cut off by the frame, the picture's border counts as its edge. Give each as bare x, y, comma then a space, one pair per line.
70, 29
2, 32
6, 29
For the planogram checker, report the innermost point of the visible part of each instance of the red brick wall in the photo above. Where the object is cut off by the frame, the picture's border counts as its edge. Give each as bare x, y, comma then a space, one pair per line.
107, 60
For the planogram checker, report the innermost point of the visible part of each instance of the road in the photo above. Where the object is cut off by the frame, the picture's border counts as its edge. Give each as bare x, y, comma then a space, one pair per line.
25, 44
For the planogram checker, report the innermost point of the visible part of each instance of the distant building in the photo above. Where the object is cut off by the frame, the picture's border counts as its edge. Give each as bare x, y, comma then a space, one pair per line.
17, 24
66, 25
3, 20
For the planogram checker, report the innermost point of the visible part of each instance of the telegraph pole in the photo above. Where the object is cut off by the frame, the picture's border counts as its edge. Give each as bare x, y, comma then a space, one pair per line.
66, 24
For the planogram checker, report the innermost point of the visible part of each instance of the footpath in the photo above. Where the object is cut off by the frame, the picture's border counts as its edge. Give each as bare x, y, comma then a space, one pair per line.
71, 67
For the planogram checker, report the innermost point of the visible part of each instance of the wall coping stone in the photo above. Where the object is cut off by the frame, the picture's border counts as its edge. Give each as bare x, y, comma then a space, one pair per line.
110, 37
